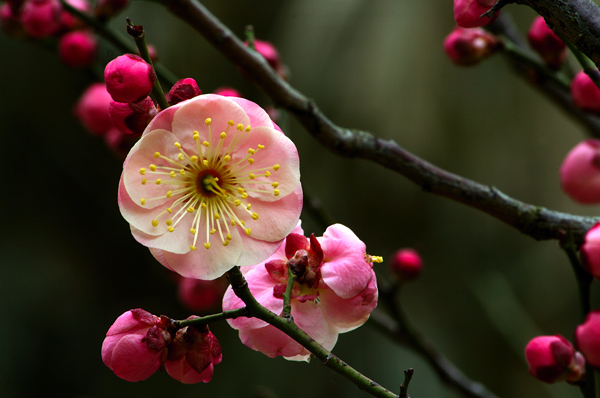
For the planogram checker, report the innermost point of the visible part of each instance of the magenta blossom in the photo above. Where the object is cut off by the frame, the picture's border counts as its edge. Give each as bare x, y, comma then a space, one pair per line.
135, 345
211, 184
335, 291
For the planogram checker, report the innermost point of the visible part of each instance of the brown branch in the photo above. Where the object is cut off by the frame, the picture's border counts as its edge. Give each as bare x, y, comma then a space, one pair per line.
537, 222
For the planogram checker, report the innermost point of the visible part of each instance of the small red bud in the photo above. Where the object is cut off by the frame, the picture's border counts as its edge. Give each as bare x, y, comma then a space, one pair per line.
546, 43
580, 172
467, 47
407, 264
585, 93
129, 78
184, 89
78, 49
553, 358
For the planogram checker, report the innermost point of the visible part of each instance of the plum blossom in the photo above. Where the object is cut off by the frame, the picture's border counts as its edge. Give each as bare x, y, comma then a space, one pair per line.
335, 291
211, 184
553, 358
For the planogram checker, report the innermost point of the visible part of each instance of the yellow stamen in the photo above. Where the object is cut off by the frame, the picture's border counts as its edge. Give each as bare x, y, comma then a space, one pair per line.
207, 121
207, 245
254, 216
142, 171
155, 223
143, 201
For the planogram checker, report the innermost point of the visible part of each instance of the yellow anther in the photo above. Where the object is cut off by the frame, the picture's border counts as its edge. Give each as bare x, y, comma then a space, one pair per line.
231, 122
240, 190
207, 245
248, 128
260, 146
275, 184
244, 195
143, 201
225, 242
276, 167
377, 259
142, 171
248, 231
172, 174
153, 167
143, 181
169, 222
251, 161
155, 223
196, 136
203, 205
169, 194
158, 181
249, 206
180, 156
212, 231
243, 223
169, 210
267, 173
276, 192
205, 163
207, 121
252, 176
193, 248
193, 230
156, 155
194, 158
182, 172
226, 158
233, 223
240, 127
217, 216
254, 216
178, 145
170, 229
229, 237
237, 202
251, 151
205, 143
223, 135
190, 209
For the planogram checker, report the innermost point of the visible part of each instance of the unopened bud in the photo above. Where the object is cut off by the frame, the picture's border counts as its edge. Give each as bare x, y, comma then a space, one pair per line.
92, 109
580, 172
467, 47
585, 93
78, 49
407, 264
132, 117
129, 78
41, 18
467, 13
546, 43
184, 89
553, 358
587, 338
590, 254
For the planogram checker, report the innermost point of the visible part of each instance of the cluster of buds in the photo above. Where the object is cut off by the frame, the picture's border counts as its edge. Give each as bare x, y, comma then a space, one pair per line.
139, 343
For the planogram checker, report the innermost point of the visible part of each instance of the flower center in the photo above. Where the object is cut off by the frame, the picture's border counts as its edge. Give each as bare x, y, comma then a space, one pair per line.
206, 185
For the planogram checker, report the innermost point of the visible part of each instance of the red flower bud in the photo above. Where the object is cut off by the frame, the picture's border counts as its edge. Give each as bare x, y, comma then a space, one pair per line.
78, 49
587, 337
92, 109
132, 117
467, 13
407, 264
41, 18
553, 358
184, 89
467, 47
546, 43
580, 172
585, 93
129, 78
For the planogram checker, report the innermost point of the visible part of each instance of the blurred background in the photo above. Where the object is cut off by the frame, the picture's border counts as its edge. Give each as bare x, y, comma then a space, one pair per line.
69, 266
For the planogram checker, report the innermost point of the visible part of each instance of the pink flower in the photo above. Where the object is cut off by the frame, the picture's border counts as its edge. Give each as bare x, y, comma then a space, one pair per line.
407, 264
587, 337
590, 252
78, 49
467, 47
184, 89
335, 291
467, 13
553, 358
132, 117
41, 18
129, 78
545, 42
92, 109
211, 172
580, 172
193, 354
135, 345
585, 93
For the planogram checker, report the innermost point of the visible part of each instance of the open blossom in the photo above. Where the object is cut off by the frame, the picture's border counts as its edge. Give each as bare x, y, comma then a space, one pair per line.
211, 184
335, 291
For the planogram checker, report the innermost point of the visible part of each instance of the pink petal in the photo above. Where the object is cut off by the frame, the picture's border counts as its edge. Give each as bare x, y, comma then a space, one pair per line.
272, 342
132, 360
345, 269
258, 116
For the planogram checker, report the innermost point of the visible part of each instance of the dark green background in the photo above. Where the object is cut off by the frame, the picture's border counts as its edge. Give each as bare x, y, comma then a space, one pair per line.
69, 265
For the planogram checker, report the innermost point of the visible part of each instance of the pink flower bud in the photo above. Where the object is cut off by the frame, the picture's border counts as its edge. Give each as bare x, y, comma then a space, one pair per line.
590, 252
184, 89
228, 92
92, 109
585, 94
546, 43
69, 21
580, 172
587, 338
467, 12
132, 117
407, 264
193, 354
78, 49
129, 78
199, 295
135, 345
41, 18
271, 55
469, 46
108, 8
553, 358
